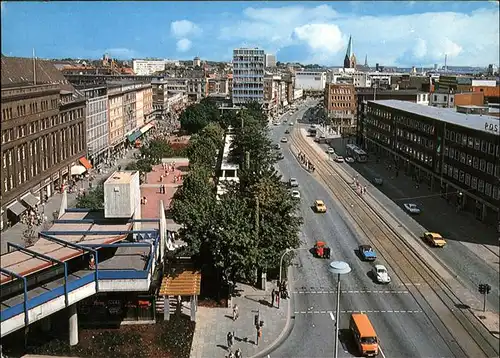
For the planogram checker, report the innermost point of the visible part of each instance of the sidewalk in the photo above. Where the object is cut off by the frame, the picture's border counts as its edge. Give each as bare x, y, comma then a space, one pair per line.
15, 233
213, 324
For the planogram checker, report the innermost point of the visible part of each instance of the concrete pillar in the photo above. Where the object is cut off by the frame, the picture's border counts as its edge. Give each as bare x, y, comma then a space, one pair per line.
64, 203
193, 308
46, 324
166, 308
483, 212
73, 325
163, 230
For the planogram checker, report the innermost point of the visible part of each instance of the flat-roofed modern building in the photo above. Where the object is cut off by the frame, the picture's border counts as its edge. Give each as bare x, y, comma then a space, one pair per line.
455, 153
248, 75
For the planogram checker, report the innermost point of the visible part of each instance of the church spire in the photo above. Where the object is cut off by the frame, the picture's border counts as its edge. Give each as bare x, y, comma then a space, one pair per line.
349, 47
366, 60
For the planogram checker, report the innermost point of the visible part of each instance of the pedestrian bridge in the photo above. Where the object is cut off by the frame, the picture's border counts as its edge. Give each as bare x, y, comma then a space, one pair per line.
80, 255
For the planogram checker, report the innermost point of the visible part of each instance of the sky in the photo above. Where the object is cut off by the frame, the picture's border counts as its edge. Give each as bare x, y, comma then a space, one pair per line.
404, 33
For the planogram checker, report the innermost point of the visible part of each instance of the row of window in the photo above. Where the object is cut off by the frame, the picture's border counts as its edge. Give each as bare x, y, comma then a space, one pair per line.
52, 151
403, 120
22, 109
472, 142
473, 161
471, 181
423, 141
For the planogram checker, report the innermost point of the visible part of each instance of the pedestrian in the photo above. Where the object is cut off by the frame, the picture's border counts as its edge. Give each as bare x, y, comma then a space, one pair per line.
235, 312
238, 354
273, 292
229, 340
119, 167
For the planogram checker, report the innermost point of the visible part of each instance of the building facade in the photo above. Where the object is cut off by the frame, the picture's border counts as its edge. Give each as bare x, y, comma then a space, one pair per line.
148, 67
248, 75
310, 80
116, 120
456, 154
97, 123
43, 134
270, 60
340, 105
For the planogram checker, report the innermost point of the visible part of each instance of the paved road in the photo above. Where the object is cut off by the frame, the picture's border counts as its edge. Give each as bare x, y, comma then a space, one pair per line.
404, 329
474, 243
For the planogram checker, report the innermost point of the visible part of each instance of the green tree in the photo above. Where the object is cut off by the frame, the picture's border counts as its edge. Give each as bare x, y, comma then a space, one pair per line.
93, 199
202, 148
193, 119
142, 165
156, 150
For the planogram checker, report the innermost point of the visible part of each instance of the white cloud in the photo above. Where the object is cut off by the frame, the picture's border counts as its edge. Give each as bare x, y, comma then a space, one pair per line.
184, 45
121, 53
184, 28
412, 39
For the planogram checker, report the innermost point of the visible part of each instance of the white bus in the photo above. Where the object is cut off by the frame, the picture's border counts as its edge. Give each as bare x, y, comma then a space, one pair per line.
357, 153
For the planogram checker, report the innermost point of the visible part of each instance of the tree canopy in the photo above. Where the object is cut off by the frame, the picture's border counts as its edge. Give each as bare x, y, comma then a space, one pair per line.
93, 199
199, 115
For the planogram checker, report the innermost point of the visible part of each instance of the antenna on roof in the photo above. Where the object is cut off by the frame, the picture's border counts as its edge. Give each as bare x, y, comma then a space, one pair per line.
34, 67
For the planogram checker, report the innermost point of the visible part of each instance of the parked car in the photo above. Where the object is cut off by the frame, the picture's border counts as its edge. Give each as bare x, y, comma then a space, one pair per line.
381, 274
280, 156
378, 181
293, 183
284, 140
320, 206
412, 208
290, 124
434, 239
287, 132
331, 150
295, 194
349, 159
367, 253
339, 159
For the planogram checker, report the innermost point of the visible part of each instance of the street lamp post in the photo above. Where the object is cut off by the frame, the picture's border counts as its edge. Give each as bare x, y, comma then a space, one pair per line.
338, 268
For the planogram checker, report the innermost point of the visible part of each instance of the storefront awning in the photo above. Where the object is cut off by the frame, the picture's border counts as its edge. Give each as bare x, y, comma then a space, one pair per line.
132, 137
85, 162
30, 200
78, 170
146, 128
17, 208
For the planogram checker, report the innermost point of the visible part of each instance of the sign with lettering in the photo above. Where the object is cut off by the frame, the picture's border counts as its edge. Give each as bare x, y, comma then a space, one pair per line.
492, 127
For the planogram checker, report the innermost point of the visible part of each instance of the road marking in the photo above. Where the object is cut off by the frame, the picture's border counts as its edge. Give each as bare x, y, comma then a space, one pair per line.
380, 350
354, 292
354, 311
331, 315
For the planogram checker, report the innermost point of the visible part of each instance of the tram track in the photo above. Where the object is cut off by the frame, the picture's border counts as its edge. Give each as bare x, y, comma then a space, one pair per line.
429, 290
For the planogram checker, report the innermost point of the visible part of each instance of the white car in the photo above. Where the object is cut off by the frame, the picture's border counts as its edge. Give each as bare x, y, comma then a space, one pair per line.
339, 159
290, 124
295, 194
284, 140
293, 183
381, 274
349, 159
412, 208
331, 150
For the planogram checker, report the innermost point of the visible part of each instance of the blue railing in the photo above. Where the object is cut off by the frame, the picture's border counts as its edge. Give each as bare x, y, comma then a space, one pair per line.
68, 287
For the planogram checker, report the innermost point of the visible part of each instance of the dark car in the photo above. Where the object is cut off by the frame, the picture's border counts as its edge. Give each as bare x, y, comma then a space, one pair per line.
287, 132
367, 253
280, 156
276, 146
378, 181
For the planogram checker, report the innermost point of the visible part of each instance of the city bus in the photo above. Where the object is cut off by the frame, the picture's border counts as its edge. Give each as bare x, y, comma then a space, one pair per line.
357, 153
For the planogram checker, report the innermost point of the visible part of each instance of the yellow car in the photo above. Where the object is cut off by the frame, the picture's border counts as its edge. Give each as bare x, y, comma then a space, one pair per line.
434, 239
320, 206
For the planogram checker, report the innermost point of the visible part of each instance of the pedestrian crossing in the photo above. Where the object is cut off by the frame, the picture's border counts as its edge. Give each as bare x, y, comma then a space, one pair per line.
389, 292
355, 311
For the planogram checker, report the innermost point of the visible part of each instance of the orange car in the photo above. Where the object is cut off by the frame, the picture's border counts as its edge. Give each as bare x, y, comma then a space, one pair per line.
322, 250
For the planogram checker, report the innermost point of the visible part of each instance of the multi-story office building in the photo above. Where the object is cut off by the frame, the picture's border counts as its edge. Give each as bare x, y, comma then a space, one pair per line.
340, 105
270, 60
455, 153
97, 123
248, 75
148, 67
43, 133
310, 80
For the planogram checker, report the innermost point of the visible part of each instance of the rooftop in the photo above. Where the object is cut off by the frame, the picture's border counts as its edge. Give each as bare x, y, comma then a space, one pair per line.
120, 177
472, 121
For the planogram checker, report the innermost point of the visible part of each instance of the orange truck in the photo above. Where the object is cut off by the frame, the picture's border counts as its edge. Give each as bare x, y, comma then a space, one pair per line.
364, 335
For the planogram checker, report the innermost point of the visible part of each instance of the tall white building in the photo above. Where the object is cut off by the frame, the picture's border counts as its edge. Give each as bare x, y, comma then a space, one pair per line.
270, 60
148, 67
248, 75
310, 80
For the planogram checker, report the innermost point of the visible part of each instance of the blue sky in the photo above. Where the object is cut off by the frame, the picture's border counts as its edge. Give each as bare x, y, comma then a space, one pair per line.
391, 33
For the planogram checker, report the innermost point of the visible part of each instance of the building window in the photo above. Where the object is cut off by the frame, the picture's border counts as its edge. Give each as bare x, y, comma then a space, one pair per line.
496, 193
482, 165
487, 189
474, 183
477, 144
467, 179
450, 171
484, 146
462, 157
455, 173
469, 159
476, 162
461, 176
480, 186
489, 168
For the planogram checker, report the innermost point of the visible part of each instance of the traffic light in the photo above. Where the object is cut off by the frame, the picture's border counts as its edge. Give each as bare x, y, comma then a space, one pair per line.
482, 288
487, 287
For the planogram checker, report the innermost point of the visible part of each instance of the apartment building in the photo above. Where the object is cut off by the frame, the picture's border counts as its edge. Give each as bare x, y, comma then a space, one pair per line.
217, 85
43, 134
248, 75
310, 81
340, 104
116, 119
96, 123
456, 154
148, 67
270, 60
